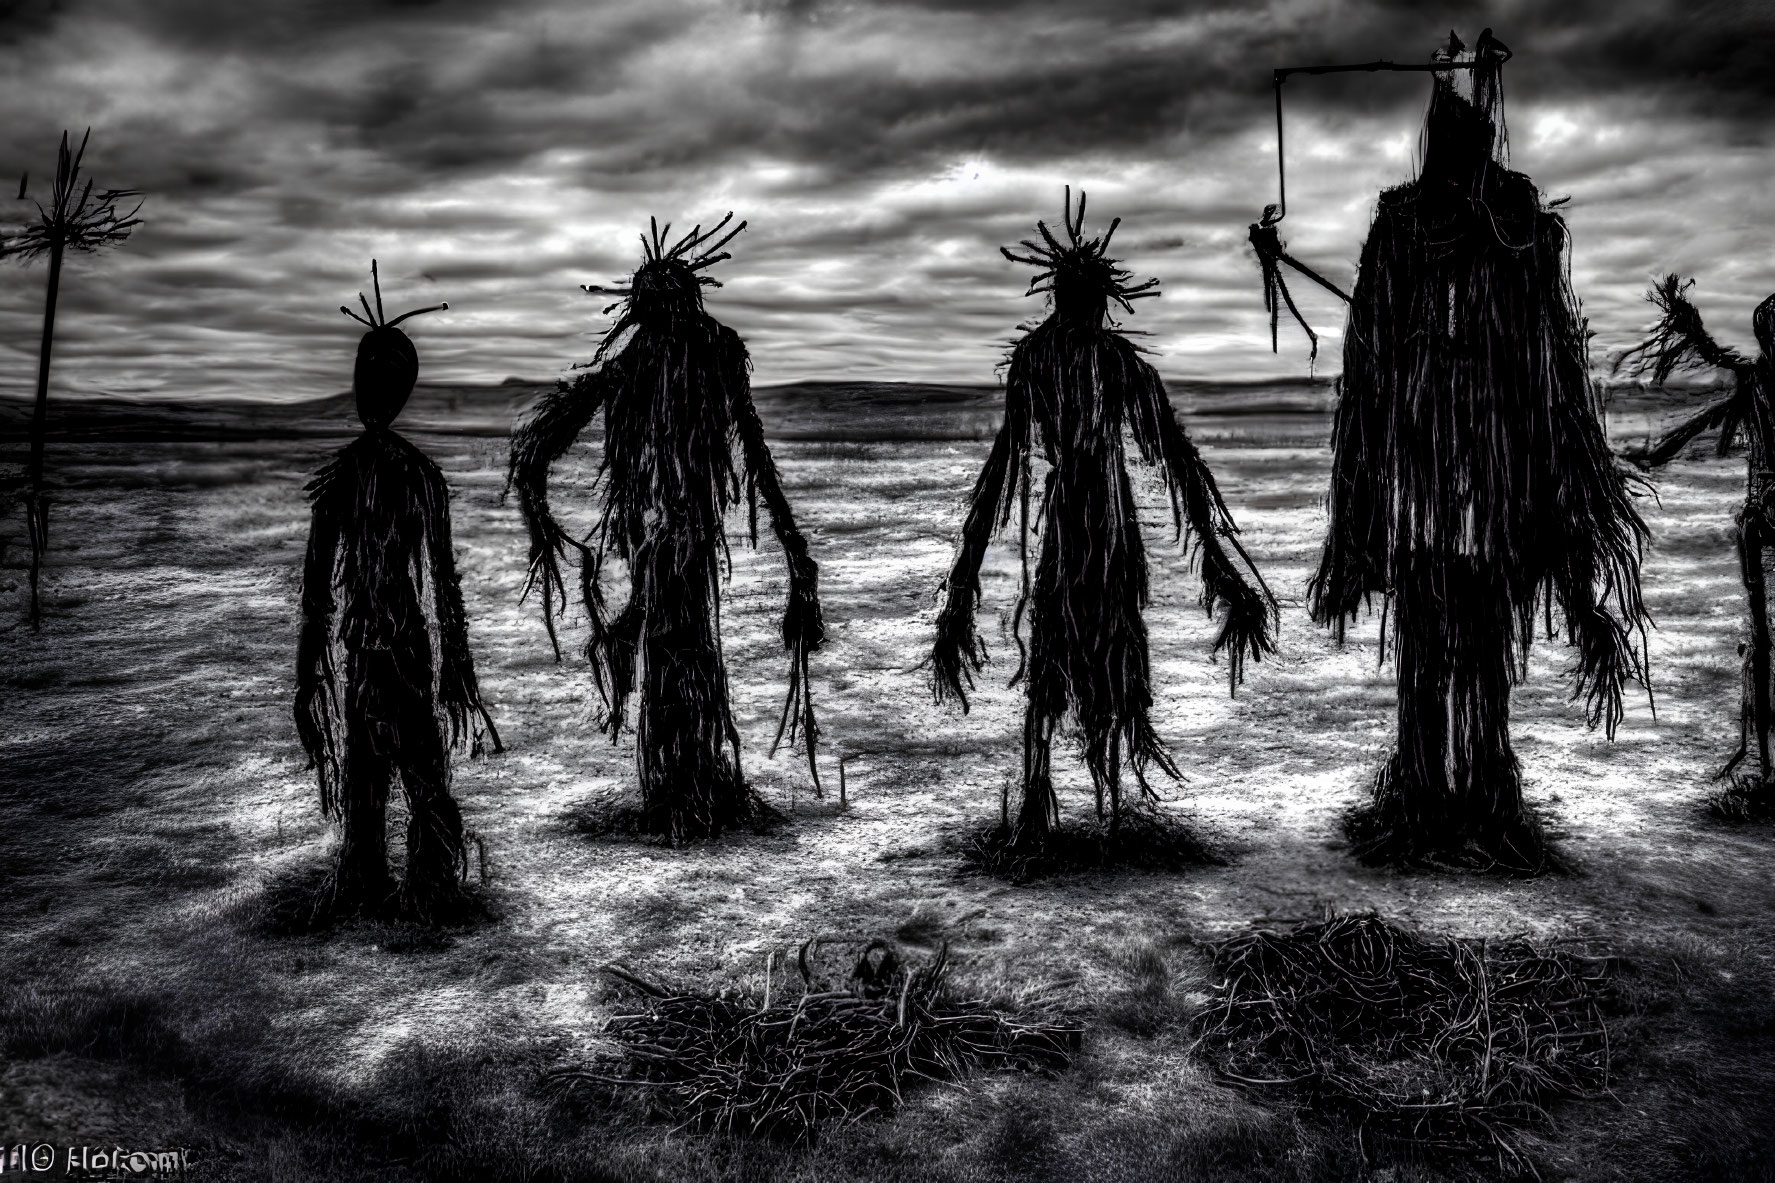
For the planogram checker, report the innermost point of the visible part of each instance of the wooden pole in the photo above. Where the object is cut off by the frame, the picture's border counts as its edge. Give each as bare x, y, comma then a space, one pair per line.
36, 503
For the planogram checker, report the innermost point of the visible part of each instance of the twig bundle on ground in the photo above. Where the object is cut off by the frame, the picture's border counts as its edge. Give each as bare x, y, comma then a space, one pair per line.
1472, 487
784, 1068
1453, 1045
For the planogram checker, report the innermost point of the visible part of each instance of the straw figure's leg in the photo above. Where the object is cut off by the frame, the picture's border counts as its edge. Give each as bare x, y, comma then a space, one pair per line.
340, 725
615, 649
1090, 591
1039, 813
360, 880
1045, 682
399, 719
436, 857
1752, 537
1452, 787
689, 786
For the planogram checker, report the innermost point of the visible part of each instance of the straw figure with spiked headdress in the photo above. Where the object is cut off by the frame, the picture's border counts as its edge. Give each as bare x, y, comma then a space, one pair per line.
1472, 485
382, 666
80, 221
1075, 383
1681, 341
674, 386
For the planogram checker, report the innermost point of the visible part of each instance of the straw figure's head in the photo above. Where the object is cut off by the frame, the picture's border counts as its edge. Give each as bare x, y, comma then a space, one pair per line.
666, 287
1079, 273
1464, 134
387, 364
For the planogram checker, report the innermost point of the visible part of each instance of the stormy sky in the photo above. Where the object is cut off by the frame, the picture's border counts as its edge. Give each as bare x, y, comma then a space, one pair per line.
499, 155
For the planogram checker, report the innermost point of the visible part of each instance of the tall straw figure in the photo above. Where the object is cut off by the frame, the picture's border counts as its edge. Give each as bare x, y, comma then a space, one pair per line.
1472, 486
675, 389
1075, 383
383, 661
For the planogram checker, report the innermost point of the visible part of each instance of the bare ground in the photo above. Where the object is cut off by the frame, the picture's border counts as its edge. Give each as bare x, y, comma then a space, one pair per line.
151, 788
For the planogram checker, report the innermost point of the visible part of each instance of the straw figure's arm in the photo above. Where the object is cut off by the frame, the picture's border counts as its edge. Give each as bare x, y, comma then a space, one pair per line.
1595, 579
1266, 242
559, 418
458, 690
804, 629
1247, 630
1355, 561
315, 684
1593, 560
1680, 341
958, 650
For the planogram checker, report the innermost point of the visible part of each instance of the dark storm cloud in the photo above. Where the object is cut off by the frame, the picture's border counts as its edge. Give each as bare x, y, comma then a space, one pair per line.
498, 155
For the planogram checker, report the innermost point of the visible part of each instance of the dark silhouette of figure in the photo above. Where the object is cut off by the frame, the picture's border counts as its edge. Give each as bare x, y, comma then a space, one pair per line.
1078, 382
674, 386
1681, 341
380, 534
1472, 486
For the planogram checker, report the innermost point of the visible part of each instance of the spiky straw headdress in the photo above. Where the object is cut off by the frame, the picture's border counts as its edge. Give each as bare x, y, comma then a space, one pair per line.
667, 282
1080, 274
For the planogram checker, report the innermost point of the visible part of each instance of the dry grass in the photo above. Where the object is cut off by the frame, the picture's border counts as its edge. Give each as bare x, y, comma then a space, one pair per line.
151, 795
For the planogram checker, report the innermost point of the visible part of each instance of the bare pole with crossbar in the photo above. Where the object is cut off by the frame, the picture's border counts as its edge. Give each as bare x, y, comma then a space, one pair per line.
1266, 239
1280, 75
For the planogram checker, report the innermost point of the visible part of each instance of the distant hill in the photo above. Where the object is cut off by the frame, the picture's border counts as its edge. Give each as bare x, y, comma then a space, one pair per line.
837, 411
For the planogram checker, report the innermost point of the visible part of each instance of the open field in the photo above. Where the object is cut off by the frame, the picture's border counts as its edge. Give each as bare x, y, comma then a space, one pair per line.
151, 787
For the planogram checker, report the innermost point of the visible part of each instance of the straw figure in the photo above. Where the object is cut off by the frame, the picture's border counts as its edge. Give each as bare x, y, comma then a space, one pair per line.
1681, 341
674, 386
1076, 382
81, 221
1472, 486
372, 696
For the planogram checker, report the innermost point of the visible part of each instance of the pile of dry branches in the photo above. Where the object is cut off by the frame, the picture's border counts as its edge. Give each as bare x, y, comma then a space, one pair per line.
1449, 1044
782, 1068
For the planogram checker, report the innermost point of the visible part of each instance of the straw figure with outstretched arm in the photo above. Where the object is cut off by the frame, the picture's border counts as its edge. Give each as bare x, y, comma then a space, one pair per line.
674, 386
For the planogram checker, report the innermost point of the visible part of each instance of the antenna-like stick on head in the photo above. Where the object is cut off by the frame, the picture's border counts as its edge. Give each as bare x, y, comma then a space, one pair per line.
416, 312
387, 364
